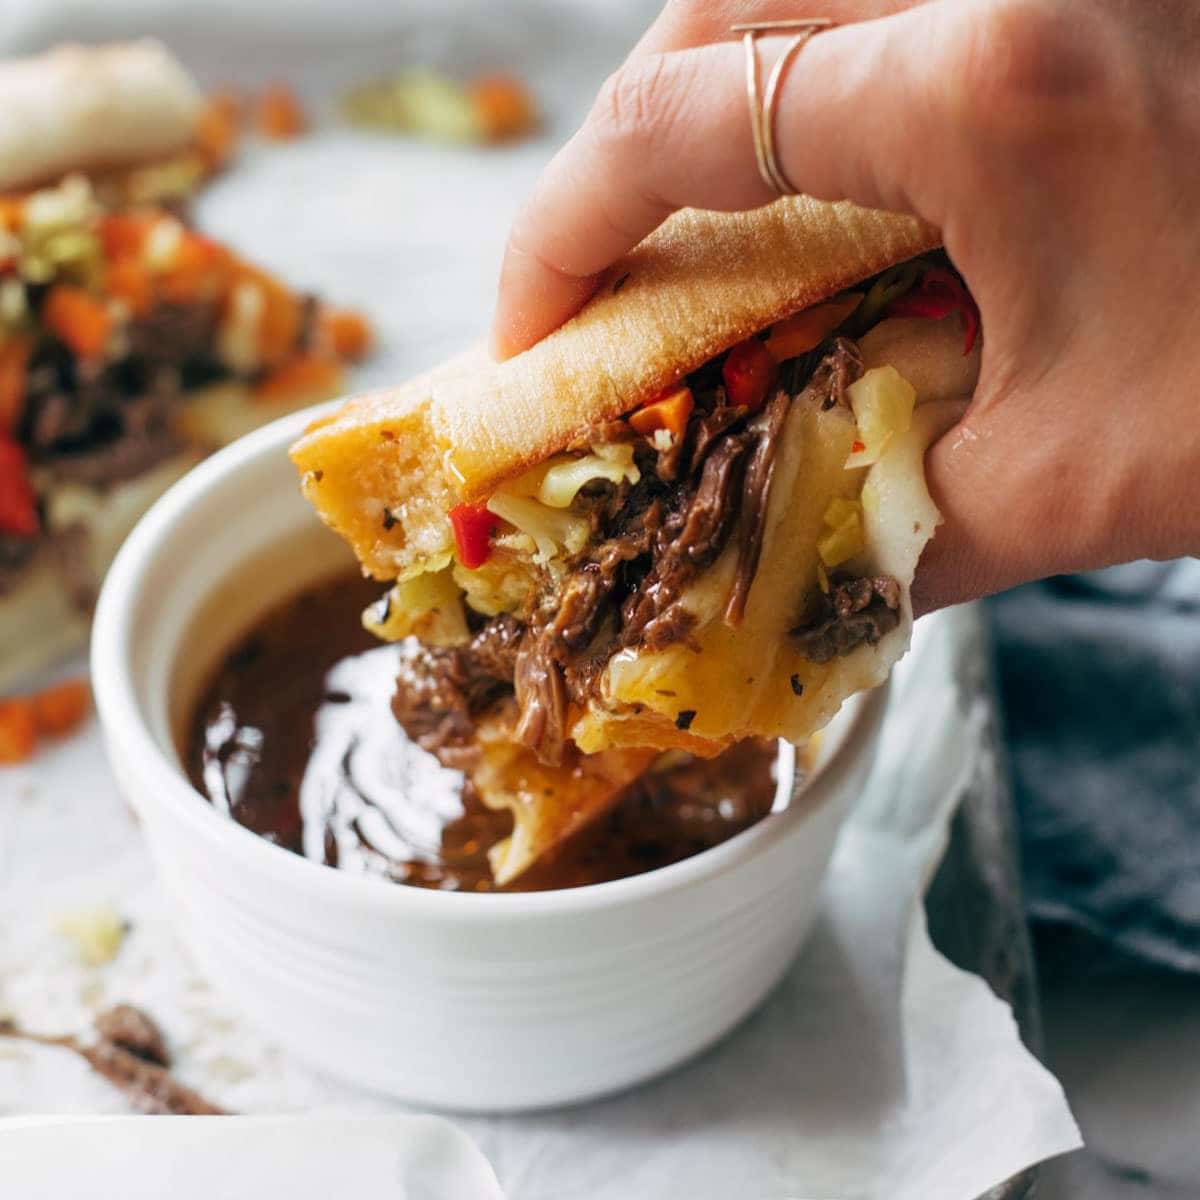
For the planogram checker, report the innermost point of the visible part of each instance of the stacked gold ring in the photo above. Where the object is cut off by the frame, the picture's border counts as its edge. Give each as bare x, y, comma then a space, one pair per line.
763, 102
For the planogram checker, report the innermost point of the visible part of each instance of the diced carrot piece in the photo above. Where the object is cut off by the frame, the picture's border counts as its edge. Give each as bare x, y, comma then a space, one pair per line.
217, 129
201, 270
346, 333
12, 212
504, 106
14, 364
18, 730
307, 376
278, 114
281, 321
670, 412
62, 708
806, 330
78, 319
122, 234
129, 281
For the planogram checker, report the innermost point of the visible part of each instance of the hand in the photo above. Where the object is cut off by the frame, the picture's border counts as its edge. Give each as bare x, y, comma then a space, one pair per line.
1056, 143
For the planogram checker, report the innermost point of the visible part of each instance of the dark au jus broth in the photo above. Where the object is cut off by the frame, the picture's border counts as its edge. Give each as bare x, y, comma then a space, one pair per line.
295, 739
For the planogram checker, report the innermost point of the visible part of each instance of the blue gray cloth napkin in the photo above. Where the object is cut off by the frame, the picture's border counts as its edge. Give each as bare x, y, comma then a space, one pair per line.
1099, 677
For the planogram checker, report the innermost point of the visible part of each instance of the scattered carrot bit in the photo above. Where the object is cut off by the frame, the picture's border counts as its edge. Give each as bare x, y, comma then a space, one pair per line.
14, 364
858, 447
278, 114
670, 411
308, 376
347, 333
504, 106
18, 730
218, 129
78, 319
61, 708
806, 330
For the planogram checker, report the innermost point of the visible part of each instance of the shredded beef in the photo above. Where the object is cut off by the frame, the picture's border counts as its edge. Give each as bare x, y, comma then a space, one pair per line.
440, 691
101, 424
755, 500
841, 366
649, 542
173, 334
855, 611
135, 1031
541, 700
145, 438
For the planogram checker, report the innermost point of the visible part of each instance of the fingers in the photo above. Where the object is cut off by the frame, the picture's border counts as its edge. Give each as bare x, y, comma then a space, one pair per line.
673, 130
686, 23
1023, 496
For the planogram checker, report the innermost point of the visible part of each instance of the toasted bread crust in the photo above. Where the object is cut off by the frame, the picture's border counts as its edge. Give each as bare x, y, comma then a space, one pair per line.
701, 283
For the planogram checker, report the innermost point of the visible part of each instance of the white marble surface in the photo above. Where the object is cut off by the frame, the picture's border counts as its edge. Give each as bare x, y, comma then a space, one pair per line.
1124, 1040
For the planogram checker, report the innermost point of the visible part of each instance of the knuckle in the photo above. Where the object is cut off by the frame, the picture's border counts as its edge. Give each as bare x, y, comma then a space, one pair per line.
1026, 68
637, 105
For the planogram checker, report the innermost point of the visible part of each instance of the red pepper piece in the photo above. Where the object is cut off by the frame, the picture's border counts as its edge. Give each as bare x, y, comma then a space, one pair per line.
473, 528
939, 294
747, 374
18, 505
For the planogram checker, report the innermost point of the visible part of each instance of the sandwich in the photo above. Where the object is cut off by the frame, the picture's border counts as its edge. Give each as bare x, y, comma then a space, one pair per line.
130, 346
688, 517
127, 115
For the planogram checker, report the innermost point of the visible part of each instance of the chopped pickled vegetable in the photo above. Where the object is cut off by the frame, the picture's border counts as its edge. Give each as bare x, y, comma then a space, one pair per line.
806, 330
882, 402
78, 319
561, 481
747, 373
891, 285
428, 606
473, 527
843, 538
129, 281
670, 412
18, 504
941, 293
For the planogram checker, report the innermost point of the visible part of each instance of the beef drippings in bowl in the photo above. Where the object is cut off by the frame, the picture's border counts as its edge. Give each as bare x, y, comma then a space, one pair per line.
295, 739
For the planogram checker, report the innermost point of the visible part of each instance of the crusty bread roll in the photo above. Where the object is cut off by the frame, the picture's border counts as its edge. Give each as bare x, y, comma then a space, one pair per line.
80, 108
699, 284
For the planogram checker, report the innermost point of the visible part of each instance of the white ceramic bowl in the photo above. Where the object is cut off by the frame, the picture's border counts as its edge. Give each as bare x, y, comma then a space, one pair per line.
460, 1001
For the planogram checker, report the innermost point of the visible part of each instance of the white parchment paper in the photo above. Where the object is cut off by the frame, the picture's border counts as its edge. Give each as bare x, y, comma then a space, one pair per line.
877, 1069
